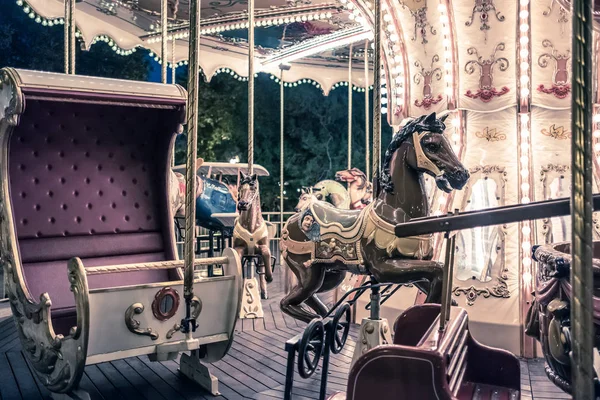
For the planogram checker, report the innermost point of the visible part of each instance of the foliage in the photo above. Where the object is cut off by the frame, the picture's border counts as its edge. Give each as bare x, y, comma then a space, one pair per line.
316, 132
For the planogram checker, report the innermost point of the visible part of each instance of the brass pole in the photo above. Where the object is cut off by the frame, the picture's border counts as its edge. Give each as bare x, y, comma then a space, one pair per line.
377, 90
582, 279
173, 66
69, 37
350, 108
367, 158
281, 155
251, 87
192, 148
72, 26
163, 40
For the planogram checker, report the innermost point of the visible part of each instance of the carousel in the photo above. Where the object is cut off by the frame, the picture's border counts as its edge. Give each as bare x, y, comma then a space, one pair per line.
457, 262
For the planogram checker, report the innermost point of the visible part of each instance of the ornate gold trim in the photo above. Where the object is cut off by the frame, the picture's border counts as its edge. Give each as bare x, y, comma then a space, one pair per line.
499, 289
11, 97
134, 325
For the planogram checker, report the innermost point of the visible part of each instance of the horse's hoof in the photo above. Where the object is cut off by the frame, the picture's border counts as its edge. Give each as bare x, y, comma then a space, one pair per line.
264, 296
454, 303
269, 280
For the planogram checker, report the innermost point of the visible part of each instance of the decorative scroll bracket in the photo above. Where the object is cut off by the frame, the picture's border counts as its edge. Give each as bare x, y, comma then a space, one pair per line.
134, 325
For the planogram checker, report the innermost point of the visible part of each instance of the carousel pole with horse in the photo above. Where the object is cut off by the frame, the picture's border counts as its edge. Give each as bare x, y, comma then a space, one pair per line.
322, 243
250, 232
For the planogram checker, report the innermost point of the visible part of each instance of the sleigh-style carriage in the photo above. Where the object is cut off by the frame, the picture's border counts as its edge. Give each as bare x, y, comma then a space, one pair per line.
549, 316
87, 239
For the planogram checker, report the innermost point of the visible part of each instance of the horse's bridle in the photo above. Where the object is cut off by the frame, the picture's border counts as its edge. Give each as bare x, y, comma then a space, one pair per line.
251, 200
422, 161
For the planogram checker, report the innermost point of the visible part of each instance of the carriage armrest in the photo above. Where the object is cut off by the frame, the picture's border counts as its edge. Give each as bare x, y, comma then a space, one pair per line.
153, 265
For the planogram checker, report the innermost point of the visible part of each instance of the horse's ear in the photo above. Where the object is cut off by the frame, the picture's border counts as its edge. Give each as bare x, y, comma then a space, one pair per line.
243, 176
443, 119
253, 177
430, 118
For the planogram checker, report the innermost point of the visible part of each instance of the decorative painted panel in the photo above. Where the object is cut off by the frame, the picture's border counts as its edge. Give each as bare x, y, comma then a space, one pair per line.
480, 266
551, 54
486, 50
488, 268
420, 20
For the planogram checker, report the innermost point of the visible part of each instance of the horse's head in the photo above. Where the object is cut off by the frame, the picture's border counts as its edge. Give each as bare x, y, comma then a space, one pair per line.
351, 176
247, 191
431, 154
306, 195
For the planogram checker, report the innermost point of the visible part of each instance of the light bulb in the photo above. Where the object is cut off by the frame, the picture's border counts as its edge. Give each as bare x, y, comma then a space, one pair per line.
525, 187
526, 275
526, 230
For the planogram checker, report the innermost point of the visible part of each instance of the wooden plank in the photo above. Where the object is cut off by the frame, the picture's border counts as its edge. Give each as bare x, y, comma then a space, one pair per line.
43, 390
296, 393
10, 343
259, 324
182, 387
23, 376
338, 360
279, 321
153, 379
106, 389
87, 385
7, 325
229, 382
136, 380
226, 391
119, 382
8, 384
259, 346
247, 384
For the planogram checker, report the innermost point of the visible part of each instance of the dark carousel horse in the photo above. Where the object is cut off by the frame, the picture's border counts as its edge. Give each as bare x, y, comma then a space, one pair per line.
321, 243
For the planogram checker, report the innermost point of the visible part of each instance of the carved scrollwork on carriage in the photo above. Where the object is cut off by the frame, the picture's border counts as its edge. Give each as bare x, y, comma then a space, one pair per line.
485, 264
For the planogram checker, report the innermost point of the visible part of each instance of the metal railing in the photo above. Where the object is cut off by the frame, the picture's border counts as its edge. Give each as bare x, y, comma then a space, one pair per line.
211, 243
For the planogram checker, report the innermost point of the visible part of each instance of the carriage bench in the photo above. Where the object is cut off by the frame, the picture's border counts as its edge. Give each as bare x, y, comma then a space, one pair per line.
424, 363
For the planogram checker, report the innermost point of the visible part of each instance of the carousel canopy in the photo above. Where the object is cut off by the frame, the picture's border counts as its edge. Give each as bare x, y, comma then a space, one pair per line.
311, 38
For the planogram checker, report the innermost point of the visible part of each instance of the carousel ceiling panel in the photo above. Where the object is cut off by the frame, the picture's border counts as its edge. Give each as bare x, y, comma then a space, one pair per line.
420, 21
214, 8
486, 45
125, 28
551, 54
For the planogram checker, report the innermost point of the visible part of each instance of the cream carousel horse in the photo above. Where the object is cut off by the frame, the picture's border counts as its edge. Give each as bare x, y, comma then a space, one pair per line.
250, 232
321, 243
329, 191
359, 187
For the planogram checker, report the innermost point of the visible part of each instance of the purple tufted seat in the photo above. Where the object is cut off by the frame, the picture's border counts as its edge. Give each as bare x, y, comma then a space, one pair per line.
88, 179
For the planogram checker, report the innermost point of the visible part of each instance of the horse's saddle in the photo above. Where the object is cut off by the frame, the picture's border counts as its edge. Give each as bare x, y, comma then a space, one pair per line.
332, 219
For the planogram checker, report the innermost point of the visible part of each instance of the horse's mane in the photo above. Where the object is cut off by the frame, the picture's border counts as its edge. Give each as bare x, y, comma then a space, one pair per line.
427, 123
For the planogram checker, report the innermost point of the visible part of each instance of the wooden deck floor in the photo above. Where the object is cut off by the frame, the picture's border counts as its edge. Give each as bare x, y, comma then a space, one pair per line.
254, 368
